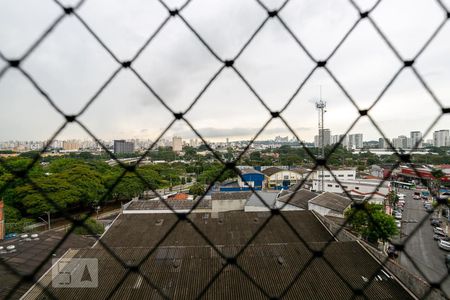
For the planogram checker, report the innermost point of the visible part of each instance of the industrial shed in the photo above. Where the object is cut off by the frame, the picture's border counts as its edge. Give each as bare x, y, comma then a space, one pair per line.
234, 258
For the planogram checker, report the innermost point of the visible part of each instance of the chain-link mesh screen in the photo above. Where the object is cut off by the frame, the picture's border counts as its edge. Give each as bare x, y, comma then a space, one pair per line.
16, 63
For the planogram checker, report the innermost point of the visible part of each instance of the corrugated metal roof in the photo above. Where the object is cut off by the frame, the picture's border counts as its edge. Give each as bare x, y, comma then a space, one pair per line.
174, 204
230, 228
186, 272
272, 170
186, 266
299, 198
230, 195
268, 199
332, 201
250, 171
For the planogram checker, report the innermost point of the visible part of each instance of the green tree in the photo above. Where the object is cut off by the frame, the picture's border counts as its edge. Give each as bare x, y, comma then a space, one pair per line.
94, 226
371, 222
197, 189
392, 198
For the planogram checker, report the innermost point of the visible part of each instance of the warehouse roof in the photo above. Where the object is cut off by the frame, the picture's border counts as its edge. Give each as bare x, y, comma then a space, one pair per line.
229, 228
291, 270
262, 199
332, 201
173, 204
299, 198
250, 171
272, 170
230, 195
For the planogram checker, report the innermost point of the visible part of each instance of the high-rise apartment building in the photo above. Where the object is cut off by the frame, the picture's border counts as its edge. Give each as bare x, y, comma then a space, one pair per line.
177, 144
400, 142
383, 143
416, 139
122, 146
441, 138
326, 138
354, 141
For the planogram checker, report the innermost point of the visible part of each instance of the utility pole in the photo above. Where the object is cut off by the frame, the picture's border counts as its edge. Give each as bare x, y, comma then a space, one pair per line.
48, 218
320, 106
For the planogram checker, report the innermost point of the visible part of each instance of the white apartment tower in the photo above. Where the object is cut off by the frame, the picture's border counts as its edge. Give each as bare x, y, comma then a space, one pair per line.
177, 144
354, 141
441, 138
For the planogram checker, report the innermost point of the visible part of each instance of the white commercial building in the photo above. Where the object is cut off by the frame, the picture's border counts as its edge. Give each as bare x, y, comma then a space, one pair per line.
364, 188
278, 178
341, 174
441, 138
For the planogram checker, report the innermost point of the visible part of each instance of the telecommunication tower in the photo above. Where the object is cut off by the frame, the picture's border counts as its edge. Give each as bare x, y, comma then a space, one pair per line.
321, 105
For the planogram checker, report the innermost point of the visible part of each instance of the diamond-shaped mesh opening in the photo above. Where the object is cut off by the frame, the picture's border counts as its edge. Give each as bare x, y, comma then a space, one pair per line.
231, 67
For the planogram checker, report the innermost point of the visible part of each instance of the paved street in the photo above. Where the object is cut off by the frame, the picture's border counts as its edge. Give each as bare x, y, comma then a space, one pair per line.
423, 250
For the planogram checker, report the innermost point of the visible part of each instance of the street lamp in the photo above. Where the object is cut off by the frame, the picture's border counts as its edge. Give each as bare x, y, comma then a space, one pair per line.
48, 220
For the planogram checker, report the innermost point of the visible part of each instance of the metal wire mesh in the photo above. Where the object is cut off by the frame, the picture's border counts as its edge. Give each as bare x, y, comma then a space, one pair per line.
177, 13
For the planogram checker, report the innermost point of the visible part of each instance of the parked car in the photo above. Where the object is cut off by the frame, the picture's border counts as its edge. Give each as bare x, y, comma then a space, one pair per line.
401, 196
392, 252
439, 230
441, 237
444, 245
436, 223
398, 216
398, 223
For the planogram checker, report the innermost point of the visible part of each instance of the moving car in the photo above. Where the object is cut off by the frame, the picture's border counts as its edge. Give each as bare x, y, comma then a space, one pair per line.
444, 245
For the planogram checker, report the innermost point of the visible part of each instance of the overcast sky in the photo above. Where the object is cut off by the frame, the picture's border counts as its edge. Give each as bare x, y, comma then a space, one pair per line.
71, 65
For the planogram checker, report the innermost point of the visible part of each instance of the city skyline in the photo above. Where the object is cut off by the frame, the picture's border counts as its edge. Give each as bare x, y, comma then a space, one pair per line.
441, 138
178, 66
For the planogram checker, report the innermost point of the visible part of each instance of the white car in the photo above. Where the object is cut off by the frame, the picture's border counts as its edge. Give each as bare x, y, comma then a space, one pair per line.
444, 245
438, 230
398, 216
401, 196
398, 223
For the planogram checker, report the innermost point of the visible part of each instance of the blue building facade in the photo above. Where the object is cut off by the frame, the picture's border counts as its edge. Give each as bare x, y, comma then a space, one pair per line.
250, 177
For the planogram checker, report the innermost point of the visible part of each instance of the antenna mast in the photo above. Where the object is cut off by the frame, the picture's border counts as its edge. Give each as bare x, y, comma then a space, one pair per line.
320, 106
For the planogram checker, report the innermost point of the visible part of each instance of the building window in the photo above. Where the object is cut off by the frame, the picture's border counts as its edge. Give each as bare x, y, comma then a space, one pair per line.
341, 175
345, 187
349, 175
356, 187
327, 175
330, 185
337, 185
